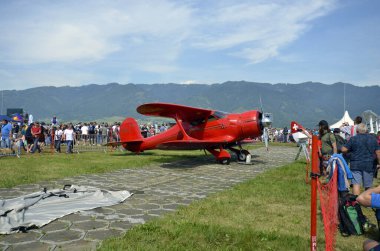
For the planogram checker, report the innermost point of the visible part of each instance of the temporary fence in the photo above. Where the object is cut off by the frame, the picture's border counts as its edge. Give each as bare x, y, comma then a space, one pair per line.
8, 148
328, 197
90, 143
8, 152
81, 143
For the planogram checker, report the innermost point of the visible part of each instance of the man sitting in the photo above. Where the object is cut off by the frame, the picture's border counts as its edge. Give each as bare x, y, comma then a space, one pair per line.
371, 198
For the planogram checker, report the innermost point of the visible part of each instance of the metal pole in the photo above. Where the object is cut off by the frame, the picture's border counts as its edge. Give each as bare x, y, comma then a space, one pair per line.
313, 204
344, 98
52, 141
2, 101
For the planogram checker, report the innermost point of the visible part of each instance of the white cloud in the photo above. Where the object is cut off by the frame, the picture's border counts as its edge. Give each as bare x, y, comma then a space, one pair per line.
189, 82
152, 36
257, 31
68, 34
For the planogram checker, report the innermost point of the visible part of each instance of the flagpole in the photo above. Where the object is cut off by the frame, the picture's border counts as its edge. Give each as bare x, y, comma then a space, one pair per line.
344, 98
2, 101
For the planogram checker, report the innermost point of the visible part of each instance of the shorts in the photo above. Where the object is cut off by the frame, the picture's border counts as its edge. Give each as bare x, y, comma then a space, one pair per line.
376, 248
375, 200
362, 177
29, 140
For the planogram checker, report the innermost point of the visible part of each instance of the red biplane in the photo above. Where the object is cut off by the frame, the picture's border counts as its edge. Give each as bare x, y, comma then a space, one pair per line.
195, 128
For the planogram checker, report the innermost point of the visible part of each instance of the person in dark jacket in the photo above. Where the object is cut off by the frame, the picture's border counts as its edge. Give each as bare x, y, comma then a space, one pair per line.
364, 150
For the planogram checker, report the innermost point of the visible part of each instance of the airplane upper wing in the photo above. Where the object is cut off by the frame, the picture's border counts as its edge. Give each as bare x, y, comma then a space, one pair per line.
185, 113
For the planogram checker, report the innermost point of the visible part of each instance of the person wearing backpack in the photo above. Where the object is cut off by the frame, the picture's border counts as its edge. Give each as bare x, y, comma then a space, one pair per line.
364, 149
328, 143
340, 142
91, 132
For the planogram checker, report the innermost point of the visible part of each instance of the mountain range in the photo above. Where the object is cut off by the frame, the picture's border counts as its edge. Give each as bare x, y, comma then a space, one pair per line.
306, 103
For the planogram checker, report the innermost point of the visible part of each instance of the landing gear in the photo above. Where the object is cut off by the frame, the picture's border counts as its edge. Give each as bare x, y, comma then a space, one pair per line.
242, 155
222, 156
225, 161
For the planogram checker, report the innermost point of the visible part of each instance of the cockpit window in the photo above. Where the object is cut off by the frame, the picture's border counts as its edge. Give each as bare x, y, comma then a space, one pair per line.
219, 114
211, 118
197, 122
215, 116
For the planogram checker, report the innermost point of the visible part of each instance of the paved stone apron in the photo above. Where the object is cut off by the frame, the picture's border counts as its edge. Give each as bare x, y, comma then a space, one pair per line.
158, 190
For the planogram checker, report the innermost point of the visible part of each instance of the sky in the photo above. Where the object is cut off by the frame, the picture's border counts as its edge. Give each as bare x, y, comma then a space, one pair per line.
59, 43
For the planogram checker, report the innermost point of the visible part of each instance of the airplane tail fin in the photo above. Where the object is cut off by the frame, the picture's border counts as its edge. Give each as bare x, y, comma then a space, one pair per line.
130, 131
130, 135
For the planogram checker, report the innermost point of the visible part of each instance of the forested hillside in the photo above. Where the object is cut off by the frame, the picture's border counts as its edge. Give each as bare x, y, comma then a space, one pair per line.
307, 102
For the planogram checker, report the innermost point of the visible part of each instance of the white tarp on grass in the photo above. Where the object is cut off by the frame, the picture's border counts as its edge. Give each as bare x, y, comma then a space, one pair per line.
40, 208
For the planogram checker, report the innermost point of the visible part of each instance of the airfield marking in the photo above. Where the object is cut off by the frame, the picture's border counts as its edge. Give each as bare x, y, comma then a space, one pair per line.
158, 190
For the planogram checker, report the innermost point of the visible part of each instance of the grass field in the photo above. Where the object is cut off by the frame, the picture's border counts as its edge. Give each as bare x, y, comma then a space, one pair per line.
36, 167
270, 212
31, 168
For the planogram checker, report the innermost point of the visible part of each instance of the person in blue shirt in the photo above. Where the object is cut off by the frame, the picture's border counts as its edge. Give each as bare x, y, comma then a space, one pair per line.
371, 198
364, 150
6, 132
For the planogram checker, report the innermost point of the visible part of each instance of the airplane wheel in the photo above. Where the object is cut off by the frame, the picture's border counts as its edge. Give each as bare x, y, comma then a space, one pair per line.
242, 155
225, 161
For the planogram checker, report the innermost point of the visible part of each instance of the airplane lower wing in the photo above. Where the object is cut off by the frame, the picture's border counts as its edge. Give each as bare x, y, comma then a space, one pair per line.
190, 144
119, 143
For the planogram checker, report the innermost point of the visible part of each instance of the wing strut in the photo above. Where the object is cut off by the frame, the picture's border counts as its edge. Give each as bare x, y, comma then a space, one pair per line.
185, 135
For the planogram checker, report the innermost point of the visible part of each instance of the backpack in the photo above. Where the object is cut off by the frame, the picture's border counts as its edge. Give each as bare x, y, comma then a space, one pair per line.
91, 129
351, 217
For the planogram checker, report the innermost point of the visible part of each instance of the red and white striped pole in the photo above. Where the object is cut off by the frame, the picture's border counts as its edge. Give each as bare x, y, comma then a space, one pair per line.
314, 180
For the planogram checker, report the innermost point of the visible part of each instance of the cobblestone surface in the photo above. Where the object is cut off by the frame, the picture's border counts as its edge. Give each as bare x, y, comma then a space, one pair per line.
157, 190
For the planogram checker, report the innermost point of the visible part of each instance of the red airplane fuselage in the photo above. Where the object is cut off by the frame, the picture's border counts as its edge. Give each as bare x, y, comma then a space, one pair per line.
214, 133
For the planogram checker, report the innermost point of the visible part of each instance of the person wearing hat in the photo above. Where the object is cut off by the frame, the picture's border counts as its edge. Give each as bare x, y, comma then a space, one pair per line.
328, 144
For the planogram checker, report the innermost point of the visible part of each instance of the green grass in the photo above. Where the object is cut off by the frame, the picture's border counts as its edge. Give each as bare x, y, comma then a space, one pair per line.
32, 168
270, 212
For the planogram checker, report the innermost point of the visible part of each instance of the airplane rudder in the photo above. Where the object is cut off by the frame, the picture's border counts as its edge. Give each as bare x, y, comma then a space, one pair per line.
130, 130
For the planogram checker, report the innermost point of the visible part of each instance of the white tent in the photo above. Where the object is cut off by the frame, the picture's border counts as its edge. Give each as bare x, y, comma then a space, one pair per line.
346, 119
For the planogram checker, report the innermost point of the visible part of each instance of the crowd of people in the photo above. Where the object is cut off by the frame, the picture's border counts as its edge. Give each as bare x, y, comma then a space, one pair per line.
361, 150
32, 136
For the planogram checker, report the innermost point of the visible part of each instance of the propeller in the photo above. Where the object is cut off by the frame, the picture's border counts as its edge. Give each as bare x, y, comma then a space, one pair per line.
267, 122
